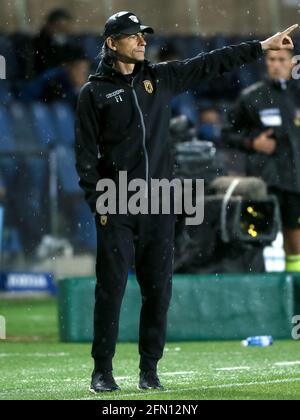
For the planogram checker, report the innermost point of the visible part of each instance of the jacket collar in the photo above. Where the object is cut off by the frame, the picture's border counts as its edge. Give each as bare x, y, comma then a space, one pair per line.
106, 71
281, 84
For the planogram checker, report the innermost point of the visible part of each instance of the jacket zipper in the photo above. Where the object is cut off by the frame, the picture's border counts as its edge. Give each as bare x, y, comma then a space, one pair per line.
144, 134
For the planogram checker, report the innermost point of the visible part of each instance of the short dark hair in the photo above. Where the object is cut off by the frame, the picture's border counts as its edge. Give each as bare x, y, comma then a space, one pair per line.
58, 14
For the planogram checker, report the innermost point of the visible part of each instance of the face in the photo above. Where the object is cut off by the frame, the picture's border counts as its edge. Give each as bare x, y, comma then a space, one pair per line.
129, 48
61, 26
210, 116
279, 64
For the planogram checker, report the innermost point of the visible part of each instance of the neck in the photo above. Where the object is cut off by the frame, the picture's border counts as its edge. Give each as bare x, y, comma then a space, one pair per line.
281, 79
124, 68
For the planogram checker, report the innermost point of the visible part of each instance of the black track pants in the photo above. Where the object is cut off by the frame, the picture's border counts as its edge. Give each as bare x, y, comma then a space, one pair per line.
150, 240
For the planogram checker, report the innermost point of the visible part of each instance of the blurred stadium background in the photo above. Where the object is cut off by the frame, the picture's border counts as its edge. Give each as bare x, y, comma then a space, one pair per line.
47, 233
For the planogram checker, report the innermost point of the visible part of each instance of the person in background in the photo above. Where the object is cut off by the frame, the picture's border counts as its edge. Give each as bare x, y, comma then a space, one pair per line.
209, 126
266, 123
51, 43
61, 83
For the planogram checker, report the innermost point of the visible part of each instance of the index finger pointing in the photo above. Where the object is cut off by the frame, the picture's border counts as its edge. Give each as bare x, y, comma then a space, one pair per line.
291, 29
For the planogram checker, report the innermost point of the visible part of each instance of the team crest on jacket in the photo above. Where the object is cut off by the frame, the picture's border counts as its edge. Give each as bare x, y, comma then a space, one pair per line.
297, 118
148, 86
103, 220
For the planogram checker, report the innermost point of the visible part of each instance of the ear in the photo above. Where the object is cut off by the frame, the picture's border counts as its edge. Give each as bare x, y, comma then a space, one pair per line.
111, 44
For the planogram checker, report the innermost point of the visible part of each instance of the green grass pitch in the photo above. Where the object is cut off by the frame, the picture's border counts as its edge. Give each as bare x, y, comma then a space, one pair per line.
34, 365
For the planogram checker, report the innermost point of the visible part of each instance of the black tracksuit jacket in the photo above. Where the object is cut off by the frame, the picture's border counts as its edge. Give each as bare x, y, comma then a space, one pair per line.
269, 105
122, 126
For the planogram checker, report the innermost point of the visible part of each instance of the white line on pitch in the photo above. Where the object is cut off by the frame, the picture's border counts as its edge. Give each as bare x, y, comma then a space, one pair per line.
34, 354
177, 373
122, 378
212, 387
229, 369
287, 363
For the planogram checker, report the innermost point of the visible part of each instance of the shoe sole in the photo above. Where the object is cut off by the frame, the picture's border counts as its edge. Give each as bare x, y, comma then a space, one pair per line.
104, 391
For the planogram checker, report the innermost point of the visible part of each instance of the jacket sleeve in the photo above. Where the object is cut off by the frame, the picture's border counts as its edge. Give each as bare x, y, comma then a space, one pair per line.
86, 146
240, 129
184, 75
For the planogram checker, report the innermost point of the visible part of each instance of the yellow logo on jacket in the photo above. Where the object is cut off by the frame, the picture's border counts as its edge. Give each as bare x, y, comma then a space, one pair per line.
148, 86
103, 220
297, 118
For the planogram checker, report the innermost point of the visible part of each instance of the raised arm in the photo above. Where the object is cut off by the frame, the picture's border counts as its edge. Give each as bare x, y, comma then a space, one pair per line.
184, 75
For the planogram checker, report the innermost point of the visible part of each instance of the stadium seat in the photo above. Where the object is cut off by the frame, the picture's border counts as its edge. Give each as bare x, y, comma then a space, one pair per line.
84, 227
91, 45
5, 92
33, 195
11, 242
7, 144
23, 128
9, 169
43, 123
64, 123
66, 168
35, 175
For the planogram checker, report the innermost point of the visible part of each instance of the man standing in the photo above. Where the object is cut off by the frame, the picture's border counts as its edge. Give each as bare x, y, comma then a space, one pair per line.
122, 125
266, 123
51, 44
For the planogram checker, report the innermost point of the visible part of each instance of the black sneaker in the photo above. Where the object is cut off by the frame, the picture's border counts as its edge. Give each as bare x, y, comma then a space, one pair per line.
150, 380
103, 382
